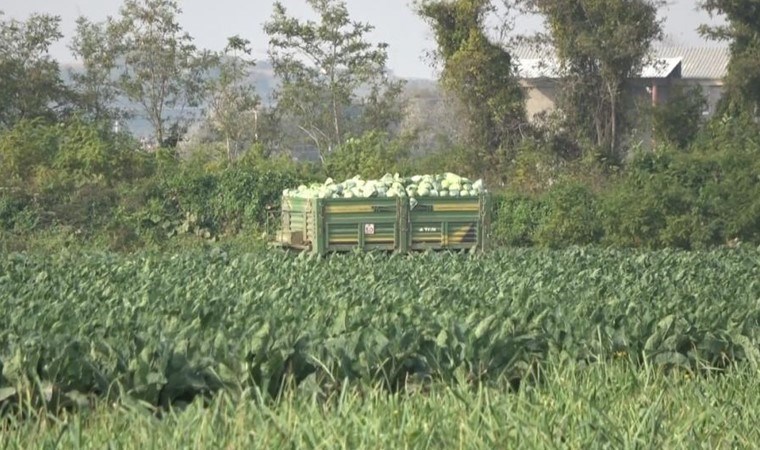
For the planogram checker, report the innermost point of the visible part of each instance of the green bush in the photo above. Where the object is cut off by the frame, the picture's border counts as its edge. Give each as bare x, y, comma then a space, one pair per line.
535, 166
16, 211
702, 198
678, 120
731, 146
86, 208
371, 155
42, 157
451, 158
26, 149
573, 217
568, 214
77, 183
635, 208
206, 204
516, 219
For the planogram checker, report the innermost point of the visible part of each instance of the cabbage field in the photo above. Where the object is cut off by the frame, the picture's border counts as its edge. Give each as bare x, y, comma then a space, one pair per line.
382, 333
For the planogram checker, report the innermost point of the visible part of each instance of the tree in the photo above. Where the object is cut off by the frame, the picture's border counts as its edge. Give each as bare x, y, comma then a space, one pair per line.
24, 147
599, 45
371, 155
679, 120
160, 67
433, 118
30, 79
233, 101
743, 32
482, 76
94, 85
322, 67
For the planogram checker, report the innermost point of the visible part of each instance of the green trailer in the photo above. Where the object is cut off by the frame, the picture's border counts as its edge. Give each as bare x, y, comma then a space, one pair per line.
394, 224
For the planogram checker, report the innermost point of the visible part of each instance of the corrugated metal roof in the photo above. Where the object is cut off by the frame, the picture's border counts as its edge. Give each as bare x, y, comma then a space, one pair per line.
660, 68
696, 62
523, 52
533, 68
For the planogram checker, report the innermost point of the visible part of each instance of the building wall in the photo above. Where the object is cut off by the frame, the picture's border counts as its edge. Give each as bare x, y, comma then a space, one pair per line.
541, 96
711, 89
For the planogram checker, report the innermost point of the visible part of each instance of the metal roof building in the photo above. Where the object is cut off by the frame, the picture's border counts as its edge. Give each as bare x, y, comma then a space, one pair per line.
705, 67
702, 63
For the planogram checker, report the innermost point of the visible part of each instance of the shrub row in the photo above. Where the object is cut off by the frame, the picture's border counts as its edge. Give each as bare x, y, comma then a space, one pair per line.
152, 210
667, 199
80, 182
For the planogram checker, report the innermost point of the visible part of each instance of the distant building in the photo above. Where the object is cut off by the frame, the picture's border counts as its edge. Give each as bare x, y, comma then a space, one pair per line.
692, 66
701, 66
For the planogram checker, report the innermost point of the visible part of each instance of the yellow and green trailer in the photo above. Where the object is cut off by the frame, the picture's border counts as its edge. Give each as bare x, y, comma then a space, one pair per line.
326, 225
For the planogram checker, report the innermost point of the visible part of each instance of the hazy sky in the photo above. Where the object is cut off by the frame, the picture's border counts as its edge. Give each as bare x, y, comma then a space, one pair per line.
210, 22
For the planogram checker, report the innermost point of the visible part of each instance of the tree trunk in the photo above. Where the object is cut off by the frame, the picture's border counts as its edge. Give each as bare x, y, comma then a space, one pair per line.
613, 126
334, 99
613, 91
335, 119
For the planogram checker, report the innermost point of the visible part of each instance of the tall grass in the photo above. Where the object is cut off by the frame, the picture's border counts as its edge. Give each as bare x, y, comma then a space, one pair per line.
613, 405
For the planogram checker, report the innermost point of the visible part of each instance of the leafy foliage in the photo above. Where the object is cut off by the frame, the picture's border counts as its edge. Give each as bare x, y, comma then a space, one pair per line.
516, 219
234, 103
160, 67
30, 81
42, 157
482, 76
743, 32
97, 92
371, 156
79, 178
24, 149
166, 329
206, 204
323, 66
691, 200
679, 119
703, 196
573, 217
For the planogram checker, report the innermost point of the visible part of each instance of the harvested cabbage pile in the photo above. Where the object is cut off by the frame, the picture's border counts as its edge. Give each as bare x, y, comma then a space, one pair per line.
442, 185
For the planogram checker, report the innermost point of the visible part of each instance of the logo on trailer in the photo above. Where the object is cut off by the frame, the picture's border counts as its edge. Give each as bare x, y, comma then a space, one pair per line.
369, 228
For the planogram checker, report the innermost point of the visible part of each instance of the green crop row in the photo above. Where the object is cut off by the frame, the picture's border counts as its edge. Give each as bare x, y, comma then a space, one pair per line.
166, 329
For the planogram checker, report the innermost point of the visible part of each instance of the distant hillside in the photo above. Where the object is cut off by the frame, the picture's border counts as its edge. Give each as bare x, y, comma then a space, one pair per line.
262, 78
